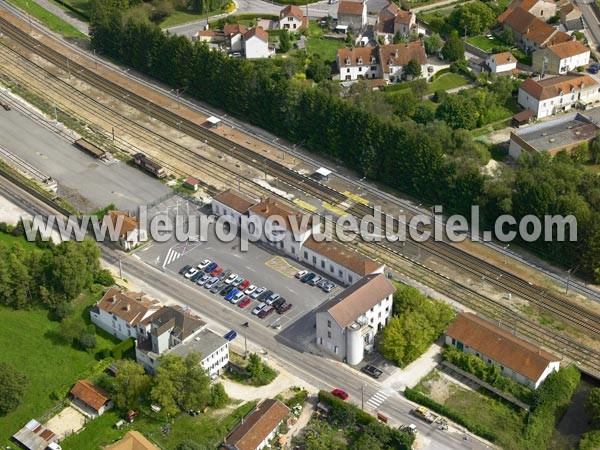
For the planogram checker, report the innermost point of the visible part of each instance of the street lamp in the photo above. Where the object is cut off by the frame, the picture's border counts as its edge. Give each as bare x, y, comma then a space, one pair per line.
570, 272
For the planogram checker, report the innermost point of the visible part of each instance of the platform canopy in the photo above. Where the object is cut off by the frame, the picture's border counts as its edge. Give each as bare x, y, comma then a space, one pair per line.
322, 172
214, 121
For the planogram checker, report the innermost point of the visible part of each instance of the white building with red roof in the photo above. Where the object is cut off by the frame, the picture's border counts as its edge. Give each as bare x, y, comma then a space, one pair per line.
292, 19
352, 14
256, 44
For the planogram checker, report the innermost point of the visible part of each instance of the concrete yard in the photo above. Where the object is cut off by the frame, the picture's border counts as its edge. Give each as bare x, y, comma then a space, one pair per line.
83, 181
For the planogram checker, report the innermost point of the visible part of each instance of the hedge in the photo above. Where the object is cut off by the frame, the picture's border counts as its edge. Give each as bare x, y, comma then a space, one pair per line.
122, 347
475, 428
440, 73
362, 417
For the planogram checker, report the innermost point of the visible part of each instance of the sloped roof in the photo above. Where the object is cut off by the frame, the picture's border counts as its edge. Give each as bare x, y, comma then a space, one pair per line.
236, 200
183, 322
269, 207
389, 10
353, 55
350, 8
568, 49
403, 17
258, 32
507, 350
351, 259
552, 87
257, 425
132, 307
129, 223
35, 436
518, 19
90, 394
291, 10
353, 302
234, 28
504, 58
133, 440
402, 54
211, 33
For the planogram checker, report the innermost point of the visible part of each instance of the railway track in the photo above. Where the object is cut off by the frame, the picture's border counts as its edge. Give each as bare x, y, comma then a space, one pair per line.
468, 263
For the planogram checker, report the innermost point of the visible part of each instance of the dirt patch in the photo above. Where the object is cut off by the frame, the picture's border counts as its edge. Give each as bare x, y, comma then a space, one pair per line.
68, 421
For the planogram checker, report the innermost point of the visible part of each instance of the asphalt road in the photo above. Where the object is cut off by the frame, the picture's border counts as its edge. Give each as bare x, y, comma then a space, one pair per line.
591, 21
314, 369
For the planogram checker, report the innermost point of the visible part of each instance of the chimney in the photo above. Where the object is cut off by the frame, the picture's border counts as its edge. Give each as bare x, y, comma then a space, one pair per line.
113, 299
396, 53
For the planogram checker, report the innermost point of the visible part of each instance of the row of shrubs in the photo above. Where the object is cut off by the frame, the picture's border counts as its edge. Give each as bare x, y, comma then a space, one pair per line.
120, 349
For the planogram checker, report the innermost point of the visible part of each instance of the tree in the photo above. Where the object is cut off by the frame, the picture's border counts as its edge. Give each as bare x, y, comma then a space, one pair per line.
130, 384
458, 111
433, 43
595, 149
71, 328
419, 87
592, 404
255, 366
413, 68
87, 341
13, 385
424, 113
473, 18
104, 277
393, 342
218, 396
454, 49
285, 41
318, 70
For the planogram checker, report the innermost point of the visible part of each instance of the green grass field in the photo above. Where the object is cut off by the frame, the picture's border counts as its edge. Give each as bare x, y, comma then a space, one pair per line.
325, 48
183, 16
485, 43
50, 20
447, 81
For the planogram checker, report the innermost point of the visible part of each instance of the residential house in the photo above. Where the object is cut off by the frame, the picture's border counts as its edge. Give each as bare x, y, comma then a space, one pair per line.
529, 32
564, 133
394, 57
392, 20
571, 18
129, 230
291, 18
561, 58
257, 429
502, 63
191, 183
347, 324
542, 9
133, 440
232, 203
517, 359
558, 94
359, 63
338, 261
173, 329
256, 43
90, 399
215, 37
35, 436
234, 33
119, 313
352, 14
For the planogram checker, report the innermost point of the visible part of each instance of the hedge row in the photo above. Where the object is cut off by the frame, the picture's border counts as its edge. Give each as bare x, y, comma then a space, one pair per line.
122, 347
475, 428
440, 73
362, 417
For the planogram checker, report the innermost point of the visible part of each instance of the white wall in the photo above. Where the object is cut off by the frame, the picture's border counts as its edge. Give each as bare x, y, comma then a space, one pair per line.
514, 149
113, 324
216, 361
336, 344
573, 62
220, 209
367, 71
256, 48
290, 23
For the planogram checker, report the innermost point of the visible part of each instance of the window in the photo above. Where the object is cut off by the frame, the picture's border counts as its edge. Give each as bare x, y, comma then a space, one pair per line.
489, 361
347, 70
329, 324
293, 251
329, 334
453, 341
314, 259
331, 268
341, 273
379, 315
305, 254
373, 68
388, 309
360, 69
350, 278
322, 264
336, 350
321, 341
478, 355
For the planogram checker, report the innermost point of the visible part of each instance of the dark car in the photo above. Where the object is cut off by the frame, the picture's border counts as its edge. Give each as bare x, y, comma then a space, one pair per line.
226, 290
372, 371
265, 295
279, 303
231, 335
306, 278
267, 311
225, 274
284, 308
184, 269
196, 276
211, 267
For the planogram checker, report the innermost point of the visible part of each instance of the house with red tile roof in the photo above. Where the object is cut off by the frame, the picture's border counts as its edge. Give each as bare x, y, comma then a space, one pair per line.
561, 58
517, 359
352, 14
500, 63
542, 9
128, 229
392, 20
292, 18
256, 44
571, 17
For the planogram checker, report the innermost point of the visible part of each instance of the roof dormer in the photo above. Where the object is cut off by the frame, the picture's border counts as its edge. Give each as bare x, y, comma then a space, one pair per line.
347, 61
359, 60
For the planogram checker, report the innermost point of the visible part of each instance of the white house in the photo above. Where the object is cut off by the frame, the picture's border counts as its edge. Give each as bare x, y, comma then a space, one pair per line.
558, 94
120, 313
256, 43
234, 35
394, 57
561, 58
212, 348
338, 262
128, 228
519, 360
352, 14
358, 63
542, 9
233, 204
347, 324
391, 20
502, 63
292, 19
258, 428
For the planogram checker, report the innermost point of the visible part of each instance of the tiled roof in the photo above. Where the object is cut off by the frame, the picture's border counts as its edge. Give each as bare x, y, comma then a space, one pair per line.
231, 29
132, 307
258, 32
353, 302
568, 49
352, 260
357, 56
291, 10
133, 440
129, 223
257, 425
404, 17
236, 200
350, 8
182, 322
389, 10
90, 394
211, 33
518, 19
401, 54
552, 87
504, 58
385, 24
507, 350
269, 207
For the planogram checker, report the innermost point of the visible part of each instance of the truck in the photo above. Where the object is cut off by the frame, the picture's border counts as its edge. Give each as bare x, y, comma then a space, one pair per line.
423, 413
412, 428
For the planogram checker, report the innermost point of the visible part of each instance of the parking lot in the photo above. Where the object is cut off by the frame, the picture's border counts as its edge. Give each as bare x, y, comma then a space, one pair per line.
260, 265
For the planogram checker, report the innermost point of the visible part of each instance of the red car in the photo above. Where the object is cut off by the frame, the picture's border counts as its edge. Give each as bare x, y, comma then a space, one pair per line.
217, 271
245, 302
340, 394
243, 285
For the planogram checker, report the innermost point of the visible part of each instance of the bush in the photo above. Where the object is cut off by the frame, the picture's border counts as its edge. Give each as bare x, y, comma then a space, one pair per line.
342, 410
87, 341
218, 396
63, 310
13, 385
104, 277
440, 95
122, 348
439, 73
298, 399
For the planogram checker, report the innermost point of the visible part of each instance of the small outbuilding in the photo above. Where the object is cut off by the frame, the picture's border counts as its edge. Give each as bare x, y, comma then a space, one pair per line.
191, 183
213, 122
322, 173
90, 399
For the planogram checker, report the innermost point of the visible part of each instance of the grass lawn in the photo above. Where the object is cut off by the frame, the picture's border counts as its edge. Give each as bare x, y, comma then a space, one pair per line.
183, 16
325, 48
486, 44
208, 429
28, 341
83, 6
447, 81
50, 20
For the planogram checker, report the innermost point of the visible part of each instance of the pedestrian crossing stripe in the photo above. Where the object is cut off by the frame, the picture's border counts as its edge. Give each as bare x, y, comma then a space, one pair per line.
377, 399
172, 255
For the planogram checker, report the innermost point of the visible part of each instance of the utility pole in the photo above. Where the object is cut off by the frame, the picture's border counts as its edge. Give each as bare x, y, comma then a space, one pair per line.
362, 397
570, 272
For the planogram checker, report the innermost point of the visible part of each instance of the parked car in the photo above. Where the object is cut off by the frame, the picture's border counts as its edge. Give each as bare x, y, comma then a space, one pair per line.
593, 68
245, 302
306, 278
237, 297
217, 286
339, 393
231, 294
230, 335
225, 274
279, 302
211, 267
329, 287
202, 281
190, 273
284, 308
257, 293
265, 295
244, 284
226, 290
372, 371
322, 283
217, 271
315, 280
258, 308
274, 296
237, 281
266, 311
430, 69
196, 276
211, 282
203, 264
250, 289
230, 279
301, 274
184, 269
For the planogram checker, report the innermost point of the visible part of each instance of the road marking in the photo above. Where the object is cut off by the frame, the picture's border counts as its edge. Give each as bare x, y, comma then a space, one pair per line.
172, 255
305, 205
377, 399
356, 198
334, 209
282, 266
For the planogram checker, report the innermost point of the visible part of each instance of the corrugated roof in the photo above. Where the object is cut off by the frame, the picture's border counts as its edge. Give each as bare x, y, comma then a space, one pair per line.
353, 302
501, 346
34, 436
90, 394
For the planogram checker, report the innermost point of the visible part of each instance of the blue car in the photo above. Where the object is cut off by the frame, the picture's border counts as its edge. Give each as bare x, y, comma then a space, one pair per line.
231, 294
210, 267
593, 68
230, 336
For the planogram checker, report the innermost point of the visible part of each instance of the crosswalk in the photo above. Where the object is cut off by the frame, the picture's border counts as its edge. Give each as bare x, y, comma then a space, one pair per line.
377, 399
172, 255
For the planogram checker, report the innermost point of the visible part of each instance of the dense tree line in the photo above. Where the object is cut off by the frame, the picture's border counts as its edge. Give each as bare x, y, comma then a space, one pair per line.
427, 159
13, 385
